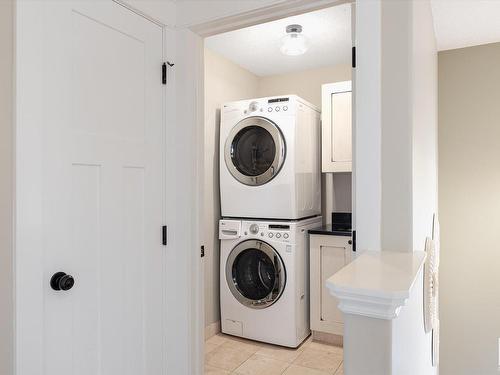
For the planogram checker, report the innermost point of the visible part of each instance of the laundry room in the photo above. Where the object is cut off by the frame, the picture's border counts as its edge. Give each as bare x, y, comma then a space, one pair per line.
277, 172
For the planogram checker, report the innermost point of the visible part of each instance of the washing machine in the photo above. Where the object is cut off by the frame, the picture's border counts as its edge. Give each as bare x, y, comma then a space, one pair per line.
270, 159
264, 279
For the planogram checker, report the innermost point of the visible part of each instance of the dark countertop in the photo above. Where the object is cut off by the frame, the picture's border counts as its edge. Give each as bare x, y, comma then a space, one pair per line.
328, 230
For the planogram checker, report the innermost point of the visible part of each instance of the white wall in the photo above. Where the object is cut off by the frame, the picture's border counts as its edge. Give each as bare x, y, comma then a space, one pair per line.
469, 206
224, 82
367, 126
395, 163
409, 125
397, 124
411, 346
425, 120
6, 187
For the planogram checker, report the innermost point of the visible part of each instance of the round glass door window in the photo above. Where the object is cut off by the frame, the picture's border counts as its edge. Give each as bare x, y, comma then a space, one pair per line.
255, 151
255, 274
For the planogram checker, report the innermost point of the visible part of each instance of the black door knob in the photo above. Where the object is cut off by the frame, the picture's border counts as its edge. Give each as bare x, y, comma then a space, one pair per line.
62, 281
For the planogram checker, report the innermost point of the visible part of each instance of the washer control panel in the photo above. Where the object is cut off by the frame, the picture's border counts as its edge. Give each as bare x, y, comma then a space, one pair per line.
267, 231
277, 108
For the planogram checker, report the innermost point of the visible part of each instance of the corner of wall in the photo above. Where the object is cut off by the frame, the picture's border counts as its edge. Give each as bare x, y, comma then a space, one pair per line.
7, 186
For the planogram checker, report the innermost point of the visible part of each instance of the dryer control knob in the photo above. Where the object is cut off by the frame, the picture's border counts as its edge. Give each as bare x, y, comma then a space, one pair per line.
254, 229
253, 106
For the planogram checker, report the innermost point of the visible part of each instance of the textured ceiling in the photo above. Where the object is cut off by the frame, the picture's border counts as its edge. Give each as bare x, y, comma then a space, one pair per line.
257, 48
464, 23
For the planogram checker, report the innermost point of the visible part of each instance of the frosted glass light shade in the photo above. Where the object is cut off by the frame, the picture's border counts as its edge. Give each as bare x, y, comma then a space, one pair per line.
294, 44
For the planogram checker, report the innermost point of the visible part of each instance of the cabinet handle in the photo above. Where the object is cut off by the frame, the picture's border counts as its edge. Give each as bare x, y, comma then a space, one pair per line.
349, 242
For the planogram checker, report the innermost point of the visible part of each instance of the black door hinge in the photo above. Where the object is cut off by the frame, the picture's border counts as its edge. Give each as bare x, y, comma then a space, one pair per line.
353, 58
164, 235
353, 240
202, 251
164, 73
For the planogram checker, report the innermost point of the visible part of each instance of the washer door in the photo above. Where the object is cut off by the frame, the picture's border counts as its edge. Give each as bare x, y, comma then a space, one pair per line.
255, 274
254, 151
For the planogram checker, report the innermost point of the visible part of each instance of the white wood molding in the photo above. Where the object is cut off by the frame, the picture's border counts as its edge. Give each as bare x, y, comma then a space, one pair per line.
280, 9
369, 306
376, 284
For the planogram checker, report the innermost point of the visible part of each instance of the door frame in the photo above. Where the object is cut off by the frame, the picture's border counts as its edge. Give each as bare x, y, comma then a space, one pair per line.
189, 42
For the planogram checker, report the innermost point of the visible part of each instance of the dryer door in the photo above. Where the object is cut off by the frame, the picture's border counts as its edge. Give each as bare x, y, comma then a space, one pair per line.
255, 274
254, 151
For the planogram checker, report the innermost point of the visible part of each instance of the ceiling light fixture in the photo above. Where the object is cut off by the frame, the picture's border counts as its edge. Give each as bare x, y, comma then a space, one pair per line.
294, 43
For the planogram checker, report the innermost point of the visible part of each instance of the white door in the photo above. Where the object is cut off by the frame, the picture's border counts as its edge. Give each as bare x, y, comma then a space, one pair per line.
101, 195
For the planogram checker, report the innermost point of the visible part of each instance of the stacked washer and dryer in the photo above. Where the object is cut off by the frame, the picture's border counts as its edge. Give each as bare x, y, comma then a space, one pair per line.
270, 184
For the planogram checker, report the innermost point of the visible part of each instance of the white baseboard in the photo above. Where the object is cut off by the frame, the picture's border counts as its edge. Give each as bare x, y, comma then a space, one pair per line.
212, 329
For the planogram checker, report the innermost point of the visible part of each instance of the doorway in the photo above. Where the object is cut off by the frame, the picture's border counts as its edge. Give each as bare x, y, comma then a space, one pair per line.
237, 68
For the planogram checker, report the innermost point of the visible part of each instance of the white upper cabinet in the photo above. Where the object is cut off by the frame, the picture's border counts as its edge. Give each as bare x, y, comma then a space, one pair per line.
337, 127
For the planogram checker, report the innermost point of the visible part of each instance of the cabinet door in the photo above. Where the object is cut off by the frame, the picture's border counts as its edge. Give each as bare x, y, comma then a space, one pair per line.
329, 254
337, 127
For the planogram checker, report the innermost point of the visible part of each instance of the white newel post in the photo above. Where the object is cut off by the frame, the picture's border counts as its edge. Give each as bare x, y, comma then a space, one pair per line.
380, 296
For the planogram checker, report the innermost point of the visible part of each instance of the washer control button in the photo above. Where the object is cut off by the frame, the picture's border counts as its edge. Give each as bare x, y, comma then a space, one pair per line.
269, 109
270, 235
285, 108
278, 235
277, 109
285, 235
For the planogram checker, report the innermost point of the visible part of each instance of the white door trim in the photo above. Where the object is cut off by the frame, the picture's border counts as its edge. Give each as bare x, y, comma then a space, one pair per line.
267, 13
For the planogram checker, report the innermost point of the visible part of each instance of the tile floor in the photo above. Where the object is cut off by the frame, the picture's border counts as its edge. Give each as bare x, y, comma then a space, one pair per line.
230, 355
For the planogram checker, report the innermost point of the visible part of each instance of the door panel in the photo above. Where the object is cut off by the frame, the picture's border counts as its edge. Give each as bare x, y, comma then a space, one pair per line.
102, 190
341, 127
85, 202
333, 259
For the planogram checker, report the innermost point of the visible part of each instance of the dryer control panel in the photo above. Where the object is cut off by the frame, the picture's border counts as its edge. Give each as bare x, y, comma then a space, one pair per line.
268, 231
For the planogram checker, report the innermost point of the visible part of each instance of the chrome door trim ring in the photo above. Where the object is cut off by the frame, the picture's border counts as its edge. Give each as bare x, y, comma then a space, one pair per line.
279, 156
279, 266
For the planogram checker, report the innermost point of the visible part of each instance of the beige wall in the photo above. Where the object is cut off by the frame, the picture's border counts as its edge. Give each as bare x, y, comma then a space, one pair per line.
306, 84
469, 206
224, 81
6, 186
